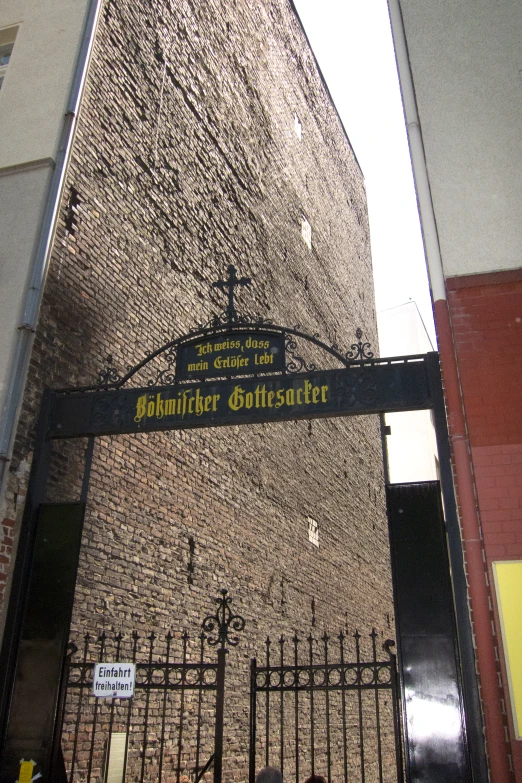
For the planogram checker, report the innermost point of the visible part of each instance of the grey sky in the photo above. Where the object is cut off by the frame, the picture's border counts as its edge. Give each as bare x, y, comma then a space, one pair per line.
353, 45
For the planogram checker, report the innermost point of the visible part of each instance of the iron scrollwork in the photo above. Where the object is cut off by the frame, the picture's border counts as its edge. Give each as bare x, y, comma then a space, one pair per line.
220, 625
108, 375
167, 375
115, 410
294, 362
361, 350
230, 320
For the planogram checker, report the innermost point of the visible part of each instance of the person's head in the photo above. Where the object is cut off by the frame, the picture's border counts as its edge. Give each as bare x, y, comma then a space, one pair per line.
269, 775
315, 779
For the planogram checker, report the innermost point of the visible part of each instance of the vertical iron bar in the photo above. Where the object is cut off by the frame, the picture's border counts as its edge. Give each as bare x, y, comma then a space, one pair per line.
111, 719
396, 714
148, 681
312, 716
327, 706
182, 703
220, 704
135, 638
253, 721
60, 710
359, 695
384, 445
87, 469
343, 706
166, 683
200, 697
79, 709
296, 706
373, 637
101, 639
267, 701
281, 708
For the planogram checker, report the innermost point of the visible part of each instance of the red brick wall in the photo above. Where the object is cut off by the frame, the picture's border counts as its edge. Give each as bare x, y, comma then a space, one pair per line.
487, 326
486, 315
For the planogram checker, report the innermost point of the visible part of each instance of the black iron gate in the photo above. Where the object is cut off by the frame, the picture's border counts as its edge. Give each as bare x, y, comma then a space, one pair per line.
171, 729
164, 732
324, 710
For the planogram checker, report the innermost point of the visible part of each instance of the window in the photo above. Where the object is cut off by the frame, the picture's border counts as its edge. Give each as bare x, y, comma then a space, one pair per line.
298, 128
313, 531
306, 231
7, 39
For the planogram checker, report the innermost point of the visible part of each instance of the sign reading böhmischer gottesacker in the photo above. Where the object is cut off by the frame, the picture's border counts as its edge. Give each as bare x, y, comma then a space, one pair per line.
232, 353
240, 401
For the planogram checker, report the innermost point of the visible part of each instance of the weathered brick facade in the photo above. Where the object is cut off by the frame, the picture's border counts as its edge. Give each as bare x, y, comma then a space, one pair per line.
186, 159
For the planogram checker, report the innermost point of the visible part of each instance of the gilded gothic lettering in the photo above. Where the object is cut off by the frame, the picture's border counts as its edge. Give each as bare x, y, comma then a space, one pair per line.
194, 401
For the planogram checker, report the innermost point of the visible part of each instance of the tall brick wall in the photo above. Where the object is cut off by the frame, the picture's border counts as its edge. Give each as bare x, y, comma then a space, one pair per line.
187, 159
486, 314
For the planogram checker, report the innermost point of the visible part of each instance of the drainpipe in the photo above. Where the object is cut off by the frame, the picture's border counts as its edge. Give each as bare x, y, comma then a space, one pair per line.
33, 300
469, 517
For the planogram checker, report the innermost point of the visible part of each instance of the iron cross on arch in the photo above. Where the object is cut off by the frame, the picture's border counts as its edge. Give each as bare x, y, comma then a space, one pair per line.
228, 286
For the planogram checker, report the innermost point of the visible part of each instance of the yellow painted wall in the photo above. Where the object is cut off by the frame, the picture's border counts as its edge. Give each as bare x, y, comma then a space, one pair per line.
508, 583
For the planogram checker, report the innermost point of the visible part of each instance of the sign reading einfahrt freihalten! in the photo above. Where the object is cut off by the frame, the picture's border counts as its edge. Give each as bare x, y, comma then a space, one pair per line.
114, 680
231, 353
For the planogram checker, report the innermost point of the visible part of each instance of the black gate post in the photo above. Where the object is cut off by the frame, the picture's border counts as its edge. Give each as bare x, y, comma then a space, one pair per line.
221, 624
473, 709
21, 575
220, 704
396, 701
253, 727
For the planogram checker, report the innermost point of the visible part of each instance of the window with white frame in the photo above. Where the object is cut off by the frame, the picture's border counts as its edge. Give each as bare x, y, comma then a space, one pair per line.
313, 531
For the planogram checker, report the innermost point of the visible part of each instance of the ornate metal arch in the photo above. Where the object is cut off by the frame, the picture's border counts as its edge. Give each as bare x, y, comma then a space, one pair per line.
359, 353
231, 322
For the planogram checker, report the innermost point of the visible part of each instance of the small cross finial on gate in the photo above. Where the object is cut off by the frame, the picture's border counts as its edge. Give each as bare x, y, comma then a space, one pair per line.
228, 286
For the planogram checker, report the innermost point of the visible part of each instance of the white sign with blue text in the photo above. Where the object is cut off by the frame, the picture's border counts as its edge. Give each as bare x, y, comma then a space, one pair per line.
114, 680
